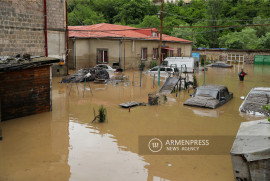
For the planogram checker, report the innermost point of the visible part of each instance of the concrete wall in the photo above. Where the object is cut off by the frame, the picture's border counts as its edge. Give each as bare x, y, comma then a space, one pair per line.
86, 51
25, 92
22, 27
221, 55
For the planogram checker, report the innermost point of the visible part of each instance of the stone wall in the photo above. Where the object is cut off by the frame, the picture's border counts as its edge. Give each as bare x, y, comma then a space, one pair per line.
221, 55
25, 92
22, 25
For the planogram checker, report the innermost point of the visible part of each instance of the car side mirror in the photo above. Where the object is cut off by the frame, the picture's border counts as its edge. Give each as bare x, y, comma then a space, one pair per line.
222, 98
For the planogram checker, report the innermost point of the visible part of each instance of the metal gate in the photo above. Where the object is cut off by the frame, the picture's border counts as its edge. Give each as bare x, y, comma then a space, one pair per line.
262, 59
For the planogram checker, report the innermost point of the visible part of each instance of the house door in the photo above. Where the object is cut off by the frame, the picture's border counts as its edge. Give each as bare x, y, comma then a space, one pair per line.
164, 53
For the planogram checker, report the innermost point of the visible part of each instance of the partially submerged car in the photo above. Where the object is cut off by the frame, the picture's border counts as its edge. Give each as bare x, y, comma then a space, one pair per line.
209, 96
220, 64
106, 67
255, 101
169, 70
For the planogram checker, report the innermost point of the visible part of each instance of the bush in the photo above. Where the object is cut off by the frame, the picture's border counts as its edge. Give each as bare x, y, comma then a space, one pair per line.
195, 82
267, 108
202, 61
141, 65
102, 114
153, 64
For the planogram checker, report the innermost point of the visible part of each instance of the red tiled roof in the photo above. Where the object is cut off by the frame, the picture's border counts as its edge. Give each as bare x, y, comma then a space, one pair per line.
104, 30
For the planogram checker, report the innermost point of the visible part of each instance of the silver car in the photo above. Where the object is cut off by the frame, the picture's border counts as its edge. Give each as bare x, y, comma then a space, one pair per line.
169, 70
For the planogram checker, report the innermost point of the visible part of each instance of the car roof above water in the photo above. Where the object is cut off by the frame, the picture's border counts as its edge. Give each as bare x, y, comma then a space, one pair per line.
213, 87
265, 89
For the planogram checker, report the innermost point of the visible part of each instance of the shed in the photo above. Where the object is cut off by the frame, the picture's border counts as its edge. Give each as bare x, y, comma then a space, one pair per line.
25, 86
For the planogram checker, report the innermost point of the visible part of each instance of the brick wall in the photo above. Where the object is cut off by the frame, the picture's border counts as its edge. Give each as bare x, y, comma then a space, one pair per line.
25, 92
56, 14
22, 25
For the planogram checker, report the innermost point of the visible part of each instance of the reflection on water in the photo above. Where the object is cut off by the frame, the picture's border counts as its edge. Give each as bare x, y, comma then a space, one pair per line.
65, 145
206, 112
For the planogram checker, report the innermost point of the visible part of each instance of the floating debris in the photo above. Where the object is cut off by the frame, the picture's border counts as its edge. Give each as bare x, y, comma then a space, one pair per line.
156, 99
129, 104
132, 104
87, 74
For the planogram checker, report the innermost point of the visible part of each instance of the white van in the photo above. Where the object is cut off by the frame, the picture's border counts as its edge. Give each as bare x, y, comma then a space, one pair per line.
191, 63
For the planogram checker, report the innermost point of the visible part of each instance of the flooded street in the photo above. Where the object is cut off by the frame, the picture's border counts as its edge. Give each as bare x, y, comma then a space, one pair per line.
65, 145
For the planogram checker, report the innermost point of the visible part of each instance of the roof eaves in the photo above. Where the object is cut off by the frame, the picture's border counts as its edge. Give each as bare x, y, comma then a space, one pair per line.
129, 38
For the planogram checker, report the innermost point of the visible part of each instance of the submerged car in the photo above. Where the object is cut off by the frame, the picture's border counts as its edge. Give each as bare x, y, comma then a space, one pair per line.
220, 64
255, 101
209, 96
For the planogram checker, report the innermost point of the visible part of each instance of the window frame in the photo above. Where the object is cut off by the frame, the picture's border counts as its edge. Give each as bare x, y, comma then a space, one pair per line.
155, 56
170, 53
103, 57
142, 53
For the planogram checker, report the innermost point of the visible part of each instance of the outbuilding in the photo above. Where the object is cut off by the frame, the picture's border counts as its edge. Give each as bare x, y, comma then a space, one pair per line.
25, 86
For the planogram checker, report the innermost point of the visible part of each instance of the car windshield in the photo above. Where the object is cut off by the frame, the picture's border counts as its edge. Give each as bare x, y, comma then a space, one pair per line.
207, 93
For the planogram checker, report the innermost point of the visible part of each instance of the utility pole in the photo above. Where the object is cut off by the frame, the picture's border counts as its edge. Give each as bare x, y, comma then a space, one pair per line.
160, 40
161, 24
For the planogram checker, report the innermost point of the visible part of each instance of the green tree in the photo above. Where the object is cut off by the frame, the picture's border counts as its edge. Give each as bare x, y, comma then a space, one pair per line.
261, 30
213, 14
265, 41
150, 21
246, 39
82, 14
132, 11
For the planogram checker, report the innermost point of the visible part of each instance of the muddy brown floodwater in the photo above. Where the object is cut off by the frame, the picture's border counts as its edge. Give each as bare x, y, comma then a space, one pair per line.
65, 145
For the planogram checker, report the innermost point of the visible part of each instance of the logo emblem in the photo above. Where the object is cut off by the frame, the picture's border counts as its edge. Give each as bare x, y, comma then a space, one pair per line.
155, 145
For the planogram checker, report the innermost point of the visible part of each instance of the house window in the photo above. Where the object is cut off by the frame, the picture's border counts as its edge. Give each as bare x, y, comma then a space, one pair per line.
178, 52
144, 54
155, 53
102, 56
170, 53
154, 34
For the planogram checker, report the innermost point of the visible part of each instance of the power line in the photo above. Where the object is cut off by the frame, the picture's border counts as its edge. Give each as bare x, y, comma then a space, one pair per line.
220, 26
213, 20
75, 14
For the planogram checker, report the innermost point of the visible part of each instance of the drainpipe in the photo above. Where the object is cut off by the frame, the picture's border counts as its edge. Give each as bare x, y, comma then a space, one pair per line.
74, 53
45, 28
120, 52
66, 37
